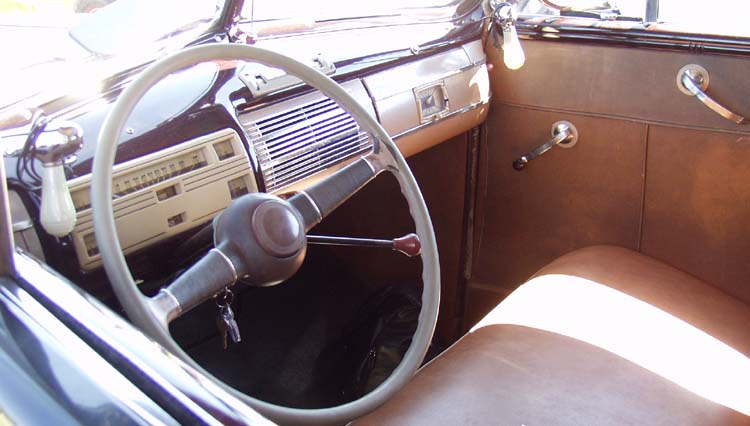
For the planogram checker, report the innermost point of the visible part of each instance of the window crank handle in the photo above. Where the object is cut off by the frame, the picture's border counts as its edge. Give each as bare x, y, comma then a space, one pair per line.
693, 80
564, 134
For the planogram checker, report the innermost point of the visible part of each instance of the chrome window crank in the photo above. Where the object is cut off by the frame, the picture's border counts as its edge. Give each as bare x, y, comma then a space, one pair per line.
693, 80
564, 134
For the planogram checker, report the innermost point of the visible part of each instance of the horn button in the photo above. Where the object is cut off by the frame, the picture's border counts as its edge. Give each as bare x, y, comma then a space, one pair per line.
277, 229
264, 238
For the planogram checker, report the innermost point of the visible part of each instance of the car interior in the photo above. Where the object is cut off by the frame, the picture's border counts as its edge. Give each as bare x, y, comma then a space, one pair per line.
473, 213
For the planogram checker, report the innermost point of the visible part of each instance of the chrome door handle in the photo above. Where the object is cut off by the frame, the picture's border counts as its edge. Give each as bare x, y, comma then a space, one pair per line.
564, 134
693, 80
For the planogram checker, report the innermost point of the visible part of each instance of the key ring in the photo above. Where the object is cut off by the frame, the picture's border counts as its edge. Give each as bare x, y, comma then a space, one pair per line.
224, 297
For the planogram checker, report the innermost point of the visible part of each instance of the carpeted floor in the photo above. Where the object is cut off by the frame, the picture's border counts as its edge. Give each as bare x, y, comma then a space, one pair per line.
294, 336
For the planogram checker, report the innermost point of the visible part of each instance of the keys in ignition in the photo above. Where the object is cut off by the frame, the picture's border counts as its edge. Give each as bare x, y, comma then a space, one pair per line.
227, 317
226, 322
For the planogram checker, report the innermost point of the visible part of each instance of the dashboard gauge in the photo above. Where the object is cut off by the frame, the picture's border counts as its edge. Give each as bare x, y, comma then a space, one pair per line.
165, 193
432, 101
224, 150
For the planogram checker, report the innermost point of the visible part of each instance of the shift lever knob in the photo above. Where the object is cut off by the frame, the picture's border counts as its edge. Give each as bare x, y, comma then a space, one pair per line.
58, 215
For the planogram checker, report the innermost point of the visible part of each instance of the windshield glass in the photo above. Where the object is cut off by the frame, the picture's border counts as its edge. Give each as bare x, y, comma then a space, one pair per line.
69, 46
126, 25
326, 10
39, 32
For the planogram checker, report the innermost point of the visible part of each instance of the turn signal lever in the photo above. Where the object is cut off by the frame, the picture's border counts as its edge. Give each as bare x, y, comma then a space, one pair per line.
409, 244
564, 134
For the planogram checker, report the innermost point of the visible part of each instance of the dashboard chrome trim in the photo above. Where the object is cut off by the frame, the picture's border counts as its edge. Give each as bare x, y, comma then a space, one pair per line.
303, 136
454, 79
444, 117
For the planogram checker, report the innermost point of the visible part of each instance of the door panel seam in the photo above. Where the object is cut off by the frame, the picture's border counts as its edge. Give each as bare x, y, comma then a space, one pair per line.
644, 176
618, 117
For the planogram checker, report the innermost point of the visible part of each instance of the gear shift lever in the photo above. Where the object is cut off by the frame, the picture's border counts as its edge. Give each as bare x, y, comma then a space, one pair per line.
409, 244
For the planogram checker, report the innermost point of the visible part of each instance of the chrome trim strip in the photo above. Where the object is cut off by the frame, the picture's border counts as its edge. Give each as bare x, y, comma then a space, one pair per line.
440, 77
22, 225
370, 165
228, 260
314, 204
446, 116
172, 297
478, 63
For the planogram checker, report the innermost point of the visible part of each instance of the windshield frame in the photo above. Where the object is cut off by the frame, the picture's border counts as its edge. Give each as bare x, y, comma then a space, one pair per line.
373, 12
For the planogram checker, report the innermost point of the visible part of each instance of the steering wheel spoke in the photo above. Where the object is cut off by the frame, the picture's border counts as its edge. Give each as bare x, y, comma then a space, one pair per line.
209, 275
318, 201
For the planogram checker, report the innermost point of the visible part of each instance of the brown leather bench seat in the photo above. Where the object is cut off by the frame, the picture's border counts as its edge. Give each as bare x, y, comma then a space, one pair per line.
600, 336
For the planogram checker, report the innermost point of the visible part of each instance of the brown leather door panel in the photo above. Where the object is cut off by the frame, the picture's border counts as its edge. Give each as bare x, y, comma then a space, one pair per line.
654, 170
563, 200
697, 209
627, 83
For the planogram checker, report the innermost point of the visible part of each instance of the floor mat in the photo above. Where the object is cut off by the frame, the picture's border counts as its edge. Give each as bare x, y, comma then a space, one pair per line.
284, 329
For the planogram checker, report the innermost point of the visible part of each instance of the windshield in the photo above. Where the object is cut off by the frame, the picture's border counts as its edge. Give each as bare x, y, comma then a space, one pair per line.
129, 25
69, 46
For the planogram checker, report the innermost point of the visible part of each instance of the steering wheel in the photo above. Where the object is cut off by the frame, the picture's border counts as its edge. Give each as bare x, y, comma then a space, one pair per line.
260, 236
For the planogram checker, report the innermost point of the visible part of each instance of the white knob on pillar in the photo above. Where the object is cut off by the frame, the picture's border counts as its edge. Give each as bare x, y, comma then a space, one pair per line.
504, 16
513, 55
58, 214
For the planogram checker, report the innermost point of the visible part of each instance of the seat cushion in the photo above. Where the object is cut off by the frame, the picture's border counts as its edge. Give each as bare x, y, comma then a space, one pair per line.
602, 335
655, 283
514, 375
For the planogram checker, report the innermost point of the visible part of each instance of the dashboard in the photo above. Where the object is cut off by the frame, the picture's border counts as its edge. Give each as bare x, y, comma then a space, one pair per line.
177, 167
165, 193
